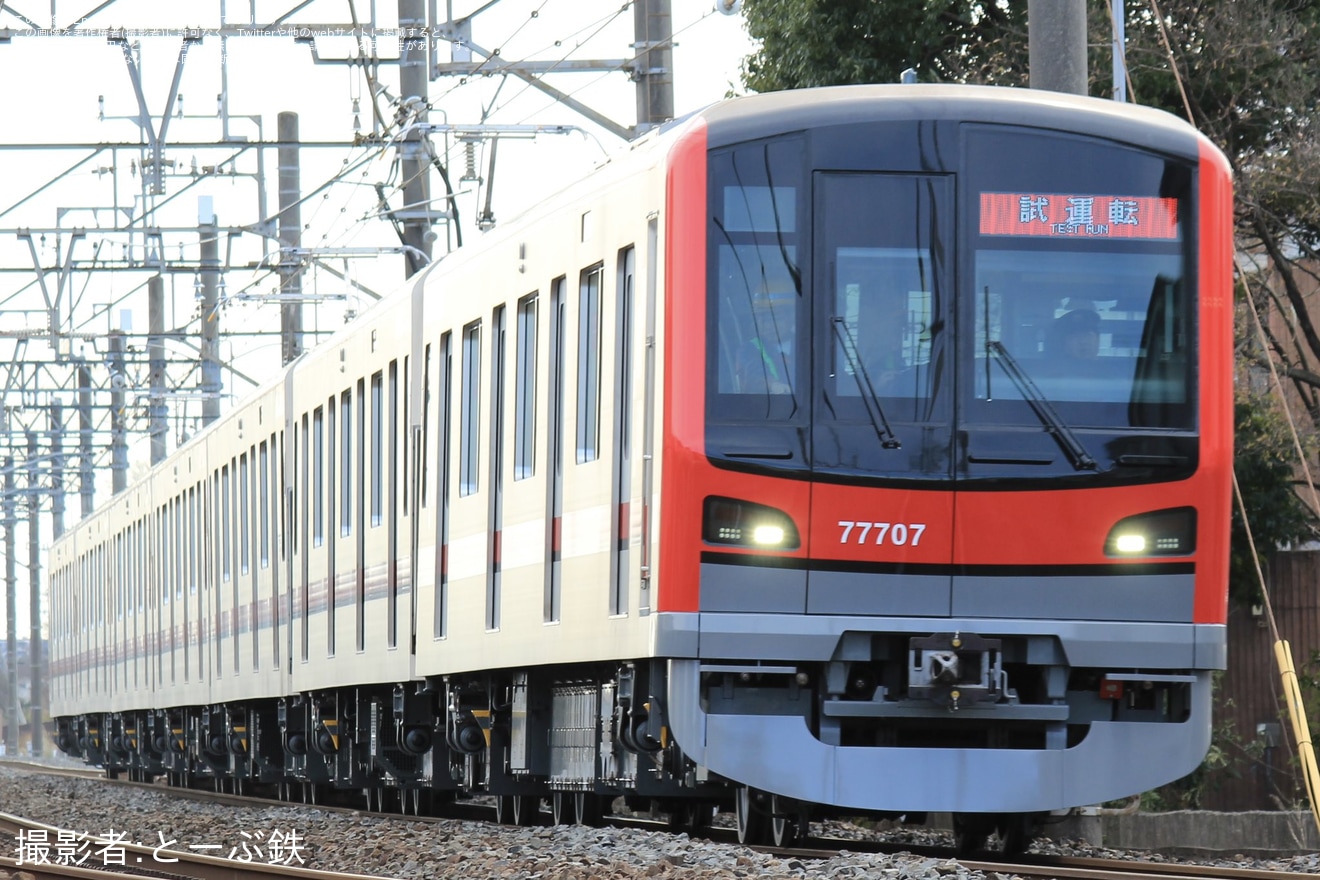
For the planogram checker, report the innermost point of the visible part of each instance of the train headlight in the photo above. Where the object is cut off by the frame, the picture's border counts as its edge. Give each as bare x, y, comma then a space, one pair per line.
1130, 542
1169, 532
744, 524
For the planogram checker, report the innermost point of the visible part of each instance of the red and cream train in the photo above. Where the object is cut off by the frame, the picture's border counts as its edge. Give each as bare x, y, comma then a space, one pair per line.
862, 449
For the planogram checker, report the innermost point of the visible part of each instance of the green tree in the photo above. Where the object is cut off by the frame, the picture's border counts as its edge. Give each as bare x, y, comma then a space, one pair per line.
1264, 461
808, 43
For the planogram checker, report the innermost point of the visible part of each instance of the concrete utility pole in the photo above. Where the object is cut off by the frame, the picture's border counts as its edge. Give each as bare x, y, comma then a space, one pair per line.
209, 384
1057, 45
35, 662
56, 468
156, 367
118, 421
13, 711
290, 232
414, 215
1118, 18
653, 28
86, 425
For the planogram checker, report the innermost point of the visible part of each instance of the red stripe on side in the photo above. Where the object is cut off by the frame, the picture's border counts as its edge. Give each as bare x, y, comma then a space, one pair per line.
684, 371
1216, 283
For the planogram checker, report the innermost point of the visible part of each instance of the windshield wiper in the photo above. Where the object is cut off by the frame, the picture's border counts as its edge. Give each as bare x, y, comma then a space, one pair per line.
1056, 426
888, 439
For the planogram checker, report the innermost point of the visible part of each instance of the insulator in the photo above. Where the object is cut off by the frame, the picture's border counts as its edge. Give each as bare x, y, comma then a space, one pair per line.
470, 161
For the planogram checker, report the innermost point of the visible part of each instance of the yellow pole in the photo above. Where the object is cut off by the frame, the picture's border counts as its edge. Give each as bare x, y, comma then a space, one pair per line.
1292, 693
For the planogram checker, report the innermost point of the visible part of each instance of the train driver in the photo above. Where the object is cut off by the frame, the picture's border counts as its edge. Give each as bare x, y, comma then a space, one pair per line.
765, 363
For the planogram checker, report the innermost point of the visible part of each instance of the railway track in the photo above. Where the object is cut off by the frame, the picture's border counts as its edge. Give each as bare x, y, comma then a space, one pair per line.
1073, 868
43, 851
815, 849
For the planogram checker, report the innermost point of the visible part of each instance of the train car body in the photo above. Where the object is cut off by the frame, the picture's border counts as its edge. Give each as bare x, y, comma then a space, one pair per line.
857, 449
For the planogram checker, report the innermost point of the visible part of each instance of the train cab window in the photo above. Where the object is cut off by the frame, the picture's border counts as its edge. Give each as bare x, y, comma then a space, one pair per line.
1081, 293
880, 263
756, 309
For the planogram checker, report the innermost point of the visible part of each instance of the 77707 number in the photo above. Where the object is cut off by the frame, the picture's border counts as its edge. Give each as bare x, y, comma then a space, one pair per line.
898, 534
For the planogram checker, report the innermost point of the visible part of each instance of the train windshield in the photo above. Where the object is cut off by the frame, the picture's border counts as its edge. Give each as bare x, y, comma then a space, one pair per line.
939, 322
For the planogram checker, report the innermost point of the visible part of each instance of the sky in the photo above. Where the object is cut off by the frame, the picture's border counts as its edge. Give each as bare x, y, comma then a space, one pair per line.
66, 89
76, 89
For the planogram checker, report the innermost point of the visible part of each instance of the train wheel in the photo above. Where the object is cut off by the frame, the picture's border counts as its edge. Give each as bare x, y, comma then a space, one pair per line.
749, 808
701, 815
526, 810
563, 808
504, 809
1016, 831
970, 832
788, 821
590, 808
691, 816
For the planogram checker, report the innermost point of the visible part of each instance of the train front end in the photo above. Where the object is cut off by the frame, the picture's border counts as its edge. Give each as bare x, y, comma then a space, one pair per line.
948, 441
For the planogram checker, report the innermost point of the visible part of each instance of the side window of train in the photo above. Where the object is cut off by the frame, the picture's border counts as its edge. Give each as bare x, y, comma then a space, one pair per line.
224, 523
524, 419
242, 518
588, 365
470, 410
377, 448
318, 477
263, 498
346, 463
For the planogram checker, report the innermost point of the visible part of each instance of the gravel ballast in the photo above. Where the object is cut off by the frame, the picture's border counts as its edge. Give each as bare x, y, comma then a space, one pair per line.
355, 843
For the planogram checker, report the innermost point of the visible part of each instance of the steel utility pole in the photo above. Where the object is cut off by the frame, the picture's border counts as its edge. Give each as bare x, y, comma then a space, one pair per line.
1056, 35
